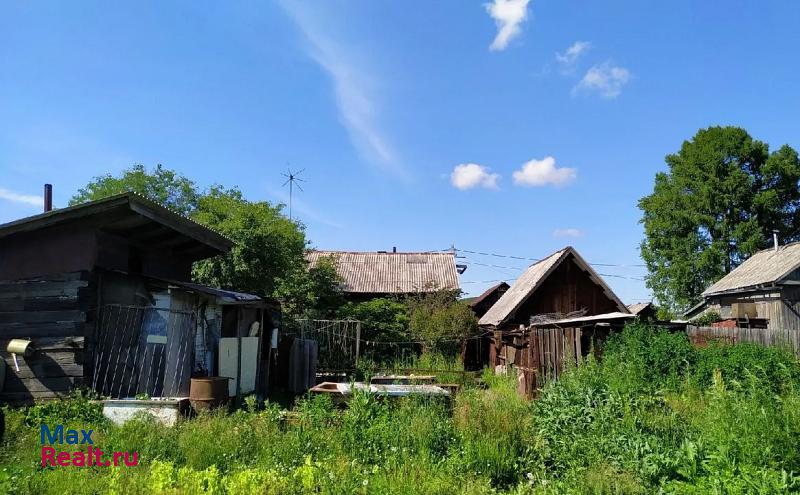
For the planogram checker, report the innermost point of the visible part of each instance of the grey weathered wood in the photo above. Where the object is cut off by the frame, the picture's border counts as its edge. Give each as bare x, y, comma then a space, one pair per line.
10, 290
38, 330
42, 316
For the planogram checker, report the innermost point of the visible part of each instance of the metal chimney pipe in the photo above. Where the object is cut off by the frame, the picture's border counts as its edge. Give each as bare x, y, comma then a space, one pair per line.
48, 197
394, 249
775, 239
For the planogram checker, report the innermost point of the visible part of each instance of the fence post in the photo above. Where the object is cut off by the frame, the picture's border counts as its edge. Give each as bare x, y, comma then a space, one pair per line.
358, 341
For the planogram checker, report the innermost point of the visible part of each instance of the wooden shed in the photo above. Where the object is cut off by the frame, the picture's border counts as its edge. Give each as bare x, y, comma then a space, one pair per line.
560, 287
103, 293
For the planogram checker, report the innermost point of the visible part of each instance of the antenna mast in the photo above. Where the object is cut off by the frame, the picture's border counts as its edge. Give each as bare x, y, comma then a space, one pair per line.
291, 178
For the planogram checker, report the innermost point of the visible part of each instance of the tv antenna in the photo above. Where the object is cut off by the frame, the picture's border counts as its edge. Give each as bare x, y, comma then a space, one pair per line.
291, 178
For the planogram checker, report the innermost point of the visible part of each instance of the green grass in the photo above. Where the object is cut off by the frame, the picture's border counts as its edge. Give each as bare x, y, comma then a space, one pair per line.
656, 416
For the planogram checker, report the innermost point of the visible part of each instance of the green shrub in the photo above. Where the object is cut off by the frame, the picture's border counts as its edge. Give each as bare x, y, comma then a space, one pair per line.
777, 369
647, 358
77, 409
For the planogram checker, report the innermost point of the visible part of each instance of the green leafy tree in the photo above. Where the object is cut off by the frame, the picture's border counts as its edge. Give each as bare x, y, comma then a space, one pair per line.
382, 320
268, 246
313, 292
162, 185
718, 203
441, 322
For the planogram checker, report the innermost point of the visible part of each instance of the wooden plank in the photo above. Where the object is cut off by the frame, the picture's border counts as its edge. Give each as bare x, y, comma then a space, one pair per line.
41, 316
50, 344
41, 289
39, 303
50, 277
37, 330
48, 384
50, 370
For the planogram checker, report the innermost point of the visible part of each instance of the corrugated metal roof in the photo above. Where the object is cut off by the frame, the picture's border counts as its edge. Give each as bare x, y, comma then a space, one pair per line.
765, 267
392, 273
534, 276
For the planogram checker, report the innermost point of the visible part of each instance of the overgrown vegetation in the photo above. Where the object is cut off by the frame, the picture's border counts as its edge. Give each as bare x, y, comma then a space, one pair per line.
655, 416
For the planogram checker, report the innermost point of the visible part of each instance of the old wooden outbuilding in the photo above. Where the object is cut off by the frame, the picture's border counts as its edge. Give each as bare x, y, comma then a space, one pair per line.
762, 292
562, 287
103, 293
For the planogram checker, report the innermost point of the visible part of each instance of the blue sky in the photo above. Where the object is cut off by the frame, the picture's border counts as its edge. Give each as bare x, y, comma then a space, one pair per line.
513, 128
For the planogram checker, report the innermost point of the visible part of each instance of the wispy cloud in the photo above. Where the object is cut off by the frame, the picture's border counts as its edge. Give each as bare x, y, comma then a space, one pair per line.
353, 85
605, 79
573, 233
508, 15
470, 175
15, 197
569, 58
544, 172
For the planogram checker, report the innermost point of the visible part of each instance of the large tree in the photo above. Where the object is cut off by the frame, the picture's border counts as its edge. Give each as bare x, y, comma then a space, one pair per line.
718, 203
162, 185
268, 246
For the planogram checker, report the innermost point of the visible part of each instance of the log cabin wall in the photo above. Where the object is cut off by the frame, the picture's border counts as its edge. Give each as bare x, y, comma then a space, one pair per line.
56, 312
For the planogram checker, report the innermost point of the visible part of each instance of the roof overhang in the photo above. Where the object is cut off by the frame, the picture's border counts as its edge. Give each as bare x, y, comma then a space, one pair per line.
134, 218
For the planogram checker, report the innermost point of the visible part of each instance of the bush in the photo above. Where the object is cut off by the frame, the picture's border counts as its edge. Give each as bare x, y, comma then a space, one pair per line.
647, 358
382, 320
441, 322
707, 318
777, 369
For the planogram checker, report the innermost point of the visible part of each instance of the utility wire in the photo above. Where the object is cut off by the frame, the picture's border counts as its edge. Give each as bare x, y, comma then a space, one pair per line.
497, 255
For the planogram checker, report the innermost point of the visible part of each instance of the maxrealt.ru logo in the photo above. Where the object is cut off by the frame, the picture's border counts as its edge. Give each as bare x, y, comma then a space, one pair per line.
93, 456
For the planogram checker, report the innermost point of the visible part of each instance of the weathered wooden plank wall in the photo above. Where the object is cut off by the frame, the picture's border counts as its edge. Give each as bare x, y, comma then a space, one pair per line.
547, 353
56, 313
789, 338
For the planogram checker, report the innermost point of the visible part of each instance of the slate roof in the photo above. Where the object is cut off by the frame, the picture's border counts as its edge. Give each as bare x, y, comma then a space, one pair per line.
766, 267
532, 278
392, 273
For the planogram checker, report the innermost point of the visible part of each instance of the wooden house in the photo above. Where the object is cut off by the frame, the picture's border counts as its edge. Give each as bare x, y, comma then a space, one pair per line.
762, 292
367, 275
561, 289
103, 293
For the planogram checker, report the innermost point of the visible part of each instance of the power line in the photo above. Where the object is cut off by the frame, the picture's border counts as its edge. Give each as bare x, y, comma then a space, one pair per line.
523, 258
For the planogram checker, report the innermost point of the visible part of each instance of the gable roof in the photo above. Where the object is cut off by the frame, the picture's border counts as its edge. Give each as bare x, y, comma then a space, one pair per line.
637, 308
134, 217
766, 267
474, 301
532, 279
392, 273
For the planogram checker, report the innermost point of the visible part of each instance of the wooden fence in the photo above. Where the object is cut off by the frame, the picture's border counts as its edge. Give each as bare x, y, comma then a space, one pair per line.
548, 353
701, 336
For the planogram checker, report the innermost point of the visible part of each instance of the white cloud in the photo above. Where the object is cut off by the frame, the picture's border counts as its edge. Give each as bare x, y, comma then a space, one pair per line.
354, 87
605, 79
574, 233
569, 58
21, 198
508, 15
544, 172
469, 175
